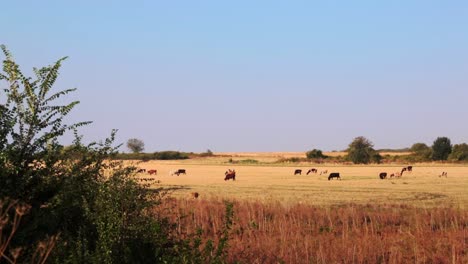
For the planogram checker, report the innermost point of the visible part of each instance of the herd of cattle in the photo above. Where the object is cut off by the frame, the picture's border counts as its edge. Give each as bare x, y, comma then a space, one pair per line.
231, 174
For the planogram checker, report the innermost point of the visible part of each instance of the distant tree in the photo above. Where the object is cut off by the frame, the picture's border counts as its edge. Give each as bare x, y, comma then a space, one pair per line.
135, 145
459, 152
421, 152
441, 148
361, 151
315, 154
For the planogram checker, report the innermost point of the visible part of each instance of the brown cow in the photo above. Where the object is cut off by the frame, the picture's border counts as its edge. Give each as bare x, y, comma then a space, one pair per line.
313, 170
297, 172
151, 172
230, 174
444, 173
141, 170
409, 168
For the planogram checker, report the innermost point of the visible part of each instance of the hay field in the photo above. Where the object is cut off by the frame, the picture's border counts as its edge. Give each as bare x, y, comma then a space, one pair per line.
359, 184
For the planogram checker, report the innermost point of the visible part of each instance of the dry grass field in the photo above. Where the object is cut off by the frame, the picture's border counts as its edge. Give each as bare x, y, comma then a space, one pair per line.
276, 183
279, 217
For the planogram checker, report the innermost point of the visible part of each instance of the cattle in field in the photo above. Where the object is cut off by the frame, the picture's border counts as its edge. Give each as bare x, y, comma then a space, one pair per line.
334, 175
178, 172
444, 173
311, 171
409, 168
195, 195
297, 172
230, 174
151, 172
383, 175
324, 172
403, 170
141, 170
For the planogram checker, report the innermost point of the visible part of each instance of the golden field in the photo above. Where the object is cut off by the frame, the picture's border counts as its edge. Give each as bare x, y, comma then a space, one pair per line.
276, 183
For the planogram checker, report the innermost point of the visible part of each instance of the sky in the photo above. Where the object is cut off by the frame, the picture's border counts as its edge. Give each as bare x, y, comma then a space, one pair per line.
253, 75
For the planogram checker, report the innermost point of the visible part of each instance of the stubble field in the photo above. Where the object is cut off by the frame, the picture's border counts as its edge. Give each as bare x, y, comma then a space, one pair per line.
277, 182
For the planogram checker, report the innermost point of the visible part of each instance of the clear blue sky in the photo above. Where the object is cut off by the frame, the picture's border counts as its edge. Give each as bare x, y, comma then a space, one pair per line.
254, 75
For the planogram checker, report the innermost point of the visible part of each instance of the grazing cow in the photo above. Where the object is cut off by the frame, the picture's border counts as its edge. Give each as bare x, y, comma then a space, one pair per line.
334, 175
141, 170
230, 174
297, 172
409, 168
311, 171
195, 195
324, 172
444, 173
383, 175
151, 172
178, 172
403, 170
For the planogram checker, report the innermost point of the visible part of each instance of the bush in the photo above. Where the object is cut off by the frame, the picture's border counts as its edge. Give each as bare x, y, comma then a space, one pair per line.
315, 154
459, 152
76, 193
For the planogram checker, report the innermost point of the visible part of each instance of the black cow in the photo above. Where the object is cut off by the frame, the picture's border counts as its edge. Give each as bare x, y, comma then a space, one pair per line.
179, 171
334, 175
297, 172
230, 174
383, 175
311, 171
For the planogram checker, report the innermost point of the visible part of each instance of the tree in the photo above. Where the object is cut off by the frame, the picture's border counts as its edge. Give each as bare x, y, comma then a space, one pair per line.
441, 148
361, 151
459, 152
135, 145
315, 154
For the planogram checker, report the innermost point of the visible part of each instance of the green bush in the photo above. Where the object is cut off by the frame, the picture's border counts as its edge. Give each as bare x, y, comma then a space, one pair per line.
78, 193
315, 154
459, 152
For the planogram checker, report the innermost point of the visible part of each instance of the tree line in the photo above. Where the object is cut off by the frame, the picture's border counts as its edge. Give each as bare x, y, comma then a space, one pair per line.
361, 151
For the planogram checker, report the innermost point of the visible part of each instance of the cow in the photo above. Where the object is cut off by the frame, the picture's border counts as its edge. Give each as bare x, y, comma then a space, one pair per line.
230, 174
383, 175
392, 175
141, 170
409, 168
178, 172
151, 172
195, 195
297, 172
444, 173
403, 170
324, 172
334, 175
311, 171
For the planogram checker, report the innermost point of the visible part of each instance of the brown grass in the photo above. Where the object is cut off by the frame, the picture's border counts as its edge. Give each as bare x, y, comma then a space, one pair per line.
273, 233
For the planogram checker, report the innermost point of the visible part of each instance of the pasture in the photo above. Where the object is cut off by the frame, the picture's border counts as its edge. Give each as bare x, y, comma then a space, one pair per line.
276, 183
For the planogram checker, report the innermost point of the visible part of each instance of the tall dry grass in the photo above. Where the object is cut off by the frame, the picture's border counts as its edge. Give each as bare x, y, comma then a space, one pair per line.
273, 233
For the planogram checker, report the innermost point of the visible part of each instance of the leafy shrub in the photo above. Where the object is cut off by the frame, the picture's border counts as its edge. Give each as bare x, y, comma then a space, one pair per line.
315, 154
76, 193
